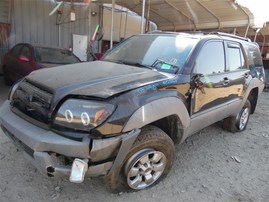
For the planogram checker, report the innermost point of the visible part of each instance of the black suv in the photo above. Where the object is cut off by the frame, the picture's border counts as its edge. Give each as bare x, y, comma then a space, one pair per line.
120, 117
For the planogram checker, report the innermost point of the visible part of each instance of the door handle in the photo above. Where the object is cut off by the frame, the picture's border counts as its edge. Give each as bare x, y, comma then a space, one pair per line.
225, 81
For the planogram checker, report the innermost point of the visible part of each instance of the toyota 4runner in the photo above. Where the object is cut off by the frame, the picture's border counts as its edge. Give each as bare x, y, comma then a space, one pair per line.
120, 117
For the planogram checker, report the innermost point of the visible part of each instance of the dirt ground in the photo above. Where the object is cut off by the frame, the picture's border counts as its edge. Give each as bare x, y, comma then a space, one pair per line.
212, 165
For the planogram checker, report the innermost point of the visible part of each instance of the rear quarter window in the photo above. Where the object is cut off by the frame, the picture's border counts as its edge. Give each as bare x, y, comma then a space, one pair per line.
253, 55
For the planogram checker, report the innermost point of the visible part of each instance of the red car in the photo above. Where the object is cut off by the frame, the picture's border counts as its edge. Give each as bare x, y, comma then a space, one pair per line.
24, 58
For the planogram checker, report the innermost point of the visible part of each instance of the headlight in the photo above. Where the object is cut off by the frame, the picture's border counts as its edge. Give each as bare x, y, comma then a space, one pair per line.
82, 114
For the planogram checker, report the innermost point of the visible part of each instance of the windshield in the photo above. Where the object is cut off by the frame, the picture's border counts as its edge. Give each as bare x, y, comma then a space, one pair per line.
54, 56
166, 53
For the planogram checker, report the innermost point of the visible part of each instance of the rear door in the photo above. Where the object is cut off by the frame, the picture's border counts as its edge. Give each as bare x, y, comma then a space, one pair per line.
211, 90
238, 71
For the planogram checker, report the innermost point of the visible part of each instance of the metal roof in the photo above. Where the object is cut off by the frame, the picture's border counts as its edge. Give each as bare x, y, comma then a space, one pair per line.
190, 15
194, 15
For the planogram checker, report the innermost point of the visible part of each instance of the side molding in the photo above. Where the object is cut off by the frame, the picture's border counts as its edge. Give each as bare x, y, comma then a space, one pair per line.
156, 110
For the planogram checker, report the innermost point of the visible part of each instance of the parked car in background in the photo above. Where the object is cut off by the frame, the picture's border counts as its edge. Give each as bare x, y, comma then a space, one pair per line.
24, 58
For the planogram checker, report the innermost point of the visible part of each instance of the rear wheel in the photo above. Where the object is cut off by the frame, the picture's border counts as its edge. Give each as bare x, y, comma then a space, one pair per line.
239, 122
147, 162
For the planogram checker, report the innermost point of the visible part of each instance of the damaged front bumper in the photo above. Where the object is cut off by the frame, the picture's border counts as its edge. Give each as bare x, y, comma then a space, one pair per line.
53, 154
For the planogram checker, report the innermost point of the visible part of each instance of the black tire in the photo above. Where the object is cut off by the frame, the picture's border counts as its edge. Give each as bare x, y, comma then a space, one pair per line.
151, 141
7, 80
239, 122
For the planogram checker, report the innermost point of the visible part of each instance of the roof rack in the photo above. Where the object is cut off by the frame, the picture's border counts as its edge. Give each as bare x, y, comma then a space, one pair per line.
230, 35
154, 31
162, 32
202, 33
169, 32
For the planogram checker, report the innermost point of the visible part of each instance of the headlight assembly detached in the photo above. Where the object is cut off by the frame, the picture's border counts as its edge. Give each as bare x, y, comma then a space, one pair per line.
82, 114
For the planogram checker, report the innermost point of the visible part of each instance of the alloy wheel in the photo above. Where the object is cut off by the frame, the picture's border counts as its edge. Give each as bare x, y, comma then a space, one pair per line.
144, 168
244, 118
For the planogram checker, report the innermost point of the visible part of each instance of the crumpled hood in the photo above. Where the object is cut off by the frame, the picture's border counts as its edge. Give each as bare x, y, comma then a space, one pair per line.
98, 79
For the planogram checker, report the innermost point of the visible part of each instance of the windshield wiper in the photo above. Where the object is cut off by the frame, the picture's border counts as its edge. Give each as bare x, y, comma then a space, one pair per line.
137, 64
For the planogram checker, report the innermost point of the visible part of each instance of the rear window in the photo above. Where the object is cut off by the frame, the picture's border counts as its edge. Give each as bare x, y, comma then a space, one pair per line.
54, 56
16, 50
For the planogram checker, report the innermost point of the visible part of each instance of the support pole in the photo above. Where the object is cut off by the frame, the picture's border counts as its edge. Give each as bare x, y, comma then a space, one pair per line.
112, 24
143, 16
262, 42
125, 26
246, 33
257, 31
59, 35
89, 48
90, 21
101, 22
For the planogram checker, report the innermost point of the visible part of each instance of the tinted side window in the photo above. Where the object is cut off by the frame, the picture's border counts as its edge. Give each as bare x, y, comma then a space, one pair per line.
256, 55
253, 55
25, 52
16, 50
235, 57
211, 59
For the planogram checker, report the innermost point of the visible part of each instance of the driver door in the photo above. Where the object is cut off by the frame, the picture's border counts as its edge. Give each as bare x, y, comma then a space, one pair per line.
212, 89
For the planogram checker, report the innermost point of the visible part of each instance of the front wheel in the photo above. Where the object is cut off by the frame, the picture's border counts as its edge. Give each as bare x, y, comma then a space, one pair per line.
239, 122
147, 162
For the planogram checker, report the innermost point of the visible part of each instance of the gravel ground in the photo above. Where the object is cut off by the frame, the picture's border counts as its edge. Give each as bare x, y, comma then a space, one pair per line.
212, 165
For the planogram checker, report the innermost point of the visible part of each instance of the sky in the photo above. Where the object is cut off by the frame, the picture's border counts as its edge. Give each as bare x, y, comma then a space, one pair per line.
259, 8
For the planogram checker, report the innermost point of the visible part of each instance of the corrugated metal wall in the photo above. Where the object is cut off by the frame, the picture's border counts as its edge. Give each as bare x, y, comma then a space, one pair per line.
4, 11
4, 27
31, 23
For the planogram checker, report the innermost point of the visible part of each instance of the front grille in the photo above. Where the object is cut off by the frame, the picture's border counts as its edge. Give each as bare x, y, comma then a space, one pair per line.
19, 143
33, 101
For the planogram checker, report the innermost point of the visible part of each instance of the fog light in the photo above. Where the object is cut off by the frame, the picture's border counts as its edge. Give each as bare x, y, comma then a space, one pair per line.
78, 170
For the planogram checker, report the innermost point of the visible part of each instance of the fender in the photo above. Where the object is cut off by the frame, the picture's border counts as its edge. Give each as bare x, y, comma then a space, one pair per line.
156, 110
236, 107
254, 83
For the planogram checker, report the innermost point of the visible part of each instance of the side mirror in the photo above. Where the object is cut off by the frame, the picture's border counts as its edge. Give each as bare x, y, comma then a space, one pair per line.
197, 75
197, 83
23, 58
